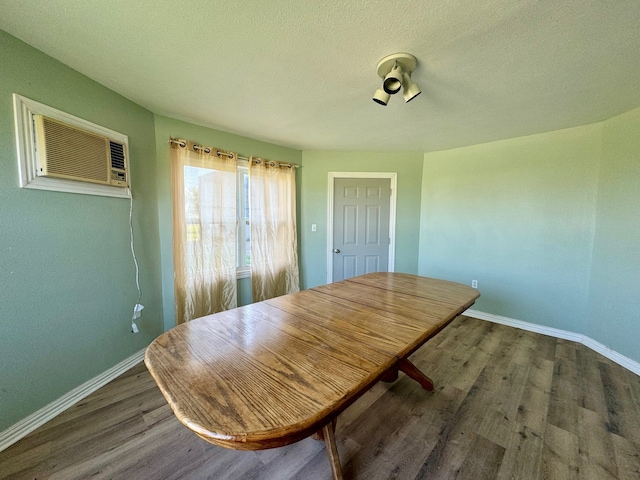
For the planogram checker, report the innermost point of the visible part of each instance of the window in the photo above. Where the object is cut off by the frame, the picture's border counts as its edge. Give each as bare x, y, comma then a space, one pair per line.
193, 178
221, 232
244, 227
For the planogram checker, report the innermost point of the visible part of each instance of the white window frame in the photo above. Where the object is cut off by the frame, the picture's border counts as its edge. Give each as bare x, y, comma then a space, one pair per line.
24, 110
243, 270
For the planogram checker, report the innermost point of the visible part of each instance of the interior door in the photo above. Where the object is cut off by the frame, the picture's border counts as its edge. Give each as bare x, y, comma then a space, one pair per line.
361, 208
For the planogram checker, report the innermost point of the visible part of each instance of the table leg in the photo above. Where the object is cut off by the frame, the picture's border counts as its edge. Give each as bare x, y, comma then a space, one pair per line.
391, 375
328, 432
412, 372
319, 435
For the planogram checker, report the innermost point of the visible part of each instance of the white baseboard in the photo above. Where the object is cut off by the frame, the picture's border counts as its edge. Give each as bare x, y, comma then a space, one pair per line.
27, 425
603, 350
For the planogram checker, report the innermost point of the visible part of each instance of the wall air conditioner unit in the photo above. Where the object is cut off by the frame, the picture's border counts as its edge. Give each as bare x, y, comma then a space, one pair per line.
72, 153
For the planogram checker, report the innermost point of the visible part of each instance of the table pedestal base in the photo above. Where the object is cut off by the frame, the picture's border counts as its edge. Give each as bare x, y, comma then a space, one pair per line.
409, 369
327, 434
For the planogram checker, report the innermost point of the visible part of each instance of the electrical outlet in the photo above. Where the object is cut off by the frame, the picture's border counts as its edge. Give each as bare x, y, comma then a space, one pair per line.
313, 227
474, 283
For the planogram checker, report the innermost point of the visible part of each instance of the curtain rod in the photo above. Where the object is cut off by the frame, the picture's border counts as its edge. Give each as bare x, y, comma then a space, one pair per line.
208, 150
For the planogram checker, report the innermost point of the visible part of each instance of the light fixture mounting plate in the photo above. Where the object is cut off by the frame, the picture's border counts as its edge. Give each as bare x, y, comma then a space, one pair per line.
407, 61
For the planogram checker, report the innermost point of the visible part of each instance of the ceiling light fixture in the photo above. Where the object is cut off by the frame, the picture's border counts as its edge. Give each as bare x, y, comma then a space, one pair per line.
395, 71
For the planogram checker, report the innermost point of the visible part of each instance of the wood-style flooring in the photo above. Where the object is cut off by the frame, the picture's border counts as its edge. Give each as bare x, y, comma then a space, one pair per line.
508, 404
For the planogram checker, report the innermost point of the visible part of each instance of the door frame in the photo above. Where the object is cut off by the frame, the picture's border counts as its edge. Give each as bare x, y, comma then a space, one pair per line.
393, 181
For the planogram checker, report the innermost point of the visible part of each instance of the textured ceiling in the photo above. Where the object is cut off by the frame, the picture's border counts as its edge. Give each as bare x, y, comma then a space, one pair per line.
302, 73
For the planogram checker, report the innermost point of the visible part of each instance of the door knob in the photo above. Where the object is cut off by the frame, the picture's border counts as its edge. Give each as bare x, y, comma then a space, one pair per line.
335, 250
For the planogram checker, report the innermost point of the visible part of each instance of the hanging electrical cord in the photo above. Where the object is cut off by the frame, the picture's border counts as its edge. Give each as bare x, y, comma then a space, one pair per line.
137, 307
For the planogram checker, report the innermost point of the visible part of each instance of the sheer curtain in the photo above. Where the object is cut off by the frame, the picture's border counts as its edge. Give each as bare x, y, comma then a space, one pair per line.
203, 181
274, 247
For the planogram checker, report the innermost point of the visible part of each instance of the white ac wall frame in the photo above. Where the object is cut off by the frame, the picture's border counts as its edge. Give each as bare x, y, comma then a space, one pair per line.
24, 109
393, 180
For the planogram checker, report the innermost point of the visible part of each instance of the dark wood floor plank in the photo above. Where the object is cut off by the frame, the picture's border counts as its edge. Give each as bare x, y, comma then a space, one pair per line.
457, 353
286, 462
560, 453
565, 388
592, 394
534, 402
500, 362
501, 409
403, 458
523, 459
546, 347
623, 416
506, 404
482, 462
467, 375
457, 436
597, 457
627, 458
317, 468
527, 345
507, 397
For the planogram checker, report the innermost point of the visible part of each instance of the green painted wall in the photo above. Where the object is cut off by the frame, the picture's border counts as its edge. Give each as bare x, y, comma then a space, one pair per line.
316, 166
67, 279
548, 224
614, 298
166, 127
518, 216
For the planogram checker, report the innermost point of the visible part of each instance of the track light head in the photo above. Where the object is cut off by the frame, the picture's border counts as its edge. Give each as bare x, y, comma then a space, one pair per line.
393, 80
381, 97
410, 90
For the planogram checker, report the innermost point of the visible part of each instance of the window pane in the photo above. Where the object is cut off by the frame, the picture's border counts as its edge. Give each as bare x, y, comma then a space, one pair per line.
244, 231
246, 195
247, 241
247, 230
192, 179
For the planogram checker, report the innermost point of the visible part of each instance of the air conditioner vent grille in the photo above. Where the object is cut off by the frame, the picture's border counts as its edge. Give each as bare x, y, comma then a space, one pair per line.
74, 153
117, 155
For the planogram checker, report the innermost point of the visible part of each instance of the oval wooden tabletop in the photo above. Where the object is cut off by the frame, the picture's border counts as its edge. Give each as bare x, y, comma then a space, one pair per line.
274, 372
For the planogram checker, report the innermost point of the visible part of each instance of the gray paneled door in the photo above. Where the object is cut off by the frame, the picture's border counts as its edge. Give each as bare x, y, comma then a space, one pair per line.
361, 208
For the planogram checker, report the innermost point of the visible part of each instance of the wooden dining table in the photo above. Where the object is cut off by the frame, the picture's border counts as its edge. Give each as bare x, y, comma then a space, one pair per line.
275, 372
